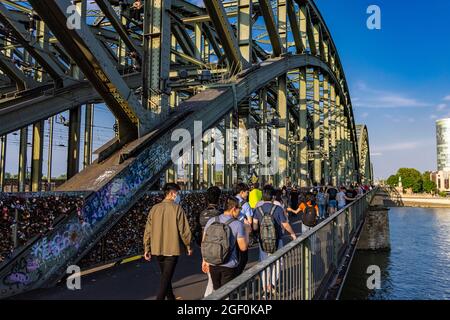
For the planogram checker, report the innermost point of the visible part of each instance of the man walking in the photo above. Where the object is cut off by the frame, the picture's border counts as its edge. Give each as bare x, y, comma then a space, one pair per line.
269, 219
246, 217
222, 238
166, 234
211, 211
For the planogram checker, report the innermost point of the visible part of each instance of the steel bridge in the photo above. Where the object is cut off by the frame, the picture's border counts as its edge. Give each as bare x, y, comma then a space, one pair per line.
231, 65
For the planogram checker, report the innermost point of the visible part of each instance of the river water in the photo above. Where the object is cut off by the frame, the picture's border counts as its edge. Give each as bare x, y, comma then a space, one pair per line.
418, 264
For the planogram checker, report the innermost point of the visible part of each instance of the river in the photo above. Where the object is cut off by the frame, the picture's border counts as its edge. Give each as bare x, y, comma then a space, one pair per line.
418, 264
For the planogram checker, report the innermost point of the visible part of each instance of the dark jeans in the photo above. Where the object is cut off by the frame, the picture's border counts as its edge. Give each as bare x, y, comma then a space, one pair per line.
221, 275
167, 266
243, 259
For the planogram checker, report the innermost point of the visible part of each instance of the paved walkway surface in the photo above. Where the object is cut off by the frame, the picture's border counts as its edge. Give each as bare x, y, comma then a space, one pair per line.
139, 280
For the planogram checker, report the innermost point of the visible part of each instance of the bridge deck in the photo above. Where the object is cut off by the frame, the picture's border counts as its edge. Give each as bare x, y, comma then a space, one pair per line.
139, 280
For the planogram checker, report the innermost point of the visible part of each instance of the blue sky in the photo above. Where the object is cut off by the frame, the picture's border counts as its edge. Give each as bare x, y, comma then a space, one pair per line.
399, 76
399, 79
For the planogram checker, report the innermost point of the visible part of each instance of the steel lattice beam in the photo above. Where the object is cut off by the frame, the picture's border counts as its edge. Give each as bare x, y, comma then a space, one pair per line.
224, 31
109, 12
55, 70
271, 26
93, 61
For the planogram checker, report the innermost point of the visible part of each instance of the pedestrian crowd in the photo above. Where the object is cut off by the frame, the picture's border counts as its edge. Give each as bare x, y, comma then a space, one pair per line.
228, 228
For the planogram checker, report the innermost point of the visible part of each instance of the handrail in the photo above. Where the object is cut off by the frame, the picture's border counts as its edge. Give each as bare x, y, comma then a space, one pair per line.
297, 262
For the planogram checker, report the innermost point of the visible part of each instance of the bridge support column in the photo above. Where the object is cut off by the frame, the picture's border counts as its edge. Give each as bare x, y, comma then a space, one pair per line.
326, 130
3, 143
340, 140
281, 176
156, 66
205, 171
36, 163
88, 133
73, 157
316, 130
347, 173
303, 123
228, 151
23, 159
245, 8
188, 171
375, 232
50, 154
196, 170
333, 129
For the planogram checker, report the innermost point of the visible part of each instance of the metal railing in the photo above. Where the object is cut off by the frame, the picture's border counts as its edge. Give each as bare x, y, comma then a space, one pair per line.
301, 269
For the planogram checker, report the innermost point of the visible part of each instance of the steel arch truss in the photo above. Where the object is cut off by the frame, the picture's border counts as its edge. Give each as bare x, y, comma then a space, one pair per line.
365, 165
182, 49
229, 65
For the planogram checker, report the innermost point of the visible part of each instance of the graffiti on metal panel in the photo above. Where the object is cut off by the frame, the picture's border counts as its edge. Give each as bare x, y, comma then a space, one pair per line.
52, 252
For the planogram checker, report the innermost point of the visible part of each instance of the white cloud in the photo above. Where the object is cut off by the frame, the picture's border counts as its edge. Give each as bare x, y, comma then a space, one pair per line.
364, 115
433, 117
374, 98
376, 154
441, 107
407, 145
447, 98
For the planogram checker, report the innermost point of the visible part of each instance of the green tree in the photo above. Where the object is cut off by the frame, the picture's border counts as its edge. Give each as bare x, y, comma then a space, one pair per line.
428, 185
411, 178
392, 180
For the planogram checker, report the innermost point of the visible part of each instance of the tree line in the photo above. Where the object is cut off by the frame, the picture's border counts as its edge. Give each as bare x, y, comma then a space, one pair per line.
412, 178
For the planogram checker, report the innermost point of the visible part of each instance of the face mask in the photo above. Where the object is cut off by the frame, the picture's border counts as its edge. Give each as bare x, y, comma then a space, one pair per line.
177, 199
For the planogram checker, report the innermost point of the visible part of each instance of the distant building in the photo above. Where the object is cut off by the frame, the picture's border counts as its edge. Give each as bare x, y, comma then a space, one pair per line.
442, 180
442, 176
443, 144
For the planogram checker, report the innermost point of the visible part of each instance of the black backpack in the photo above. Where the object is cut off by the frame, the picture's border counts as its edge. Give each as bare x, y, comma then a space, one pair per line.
216, 248
268, 237
309, 216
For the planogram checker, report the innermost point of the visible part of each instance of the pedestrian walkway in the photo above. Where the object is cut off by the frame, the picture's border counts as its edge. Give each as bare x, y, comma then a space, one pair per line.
139, 280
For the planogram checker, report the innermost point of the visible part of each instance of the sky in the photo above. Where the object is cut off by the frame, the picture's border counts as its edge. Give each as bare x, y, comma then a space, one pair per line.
399, 80
399, 76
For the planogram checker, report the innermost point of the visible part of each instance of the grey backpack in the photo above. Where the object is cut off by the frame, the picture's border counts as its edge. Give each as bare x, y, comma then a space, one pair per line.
216, 248
268, 233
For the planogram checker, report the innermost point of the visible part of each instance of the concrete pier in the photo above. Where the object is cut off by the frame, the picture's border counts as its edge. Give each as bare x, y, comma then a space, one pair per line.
375, 232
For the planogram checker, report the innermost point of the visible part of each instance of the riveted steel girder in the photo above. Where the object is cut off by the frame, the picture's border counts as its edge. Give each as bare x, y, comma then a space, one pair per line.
15, 74
156, 90
224, 31
272, 30
93, 61
46, 60
109, 12
295, 27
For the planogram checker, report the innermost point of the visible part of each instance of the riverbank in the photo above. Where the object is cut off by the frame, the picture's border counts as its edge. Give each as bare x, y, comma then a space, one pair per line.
417, 201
